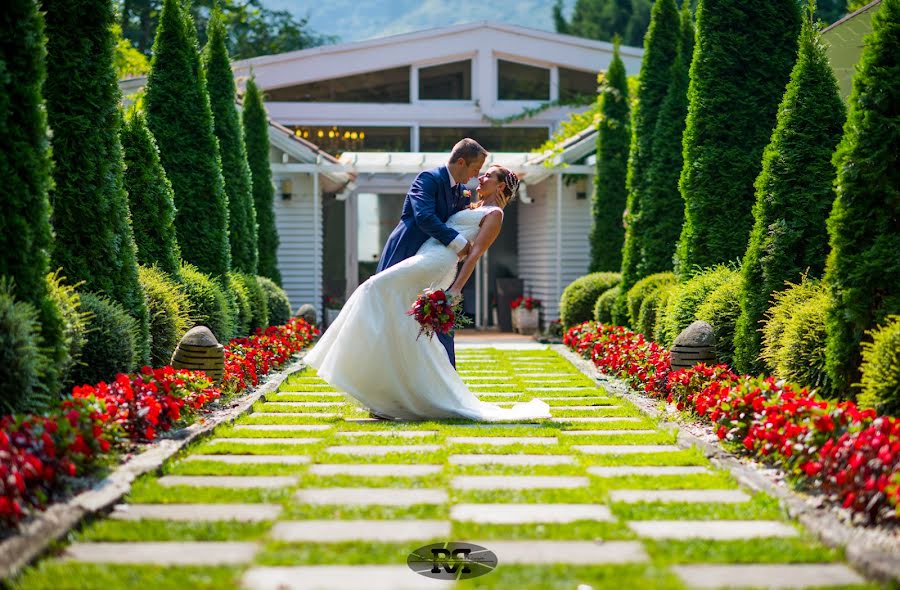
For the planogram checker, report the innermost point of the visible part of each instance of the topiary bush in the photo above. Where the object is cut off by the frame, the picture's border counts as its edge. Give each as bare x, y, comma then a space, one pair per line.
635, 297
22, 366
259, 303
169, 309
603, 307
111, 345
241, 298
721, 310
278, 302
75, 323
794, 336
681, 308
880, 383
661, 302
209, 304
578, 299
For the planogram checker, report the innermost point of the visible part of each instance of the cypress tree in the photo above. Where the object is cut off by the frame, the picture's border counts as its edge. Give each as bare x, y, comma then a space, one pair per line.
742, 61
235, 171
150, 197
94, 239
662, 208
613, 136
180, 117
793, 193
25, 232
863, 265
660, 51
256, 137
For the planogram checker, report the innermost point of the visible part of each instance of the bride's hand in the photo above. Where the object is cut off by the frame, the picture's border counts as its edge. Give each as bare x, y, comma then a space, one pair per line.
454, 294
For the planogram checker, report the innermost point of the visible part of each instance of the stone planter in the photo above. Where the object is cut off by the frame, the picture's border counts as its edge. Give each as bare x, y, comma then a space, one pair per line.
330, 316
526, 320
200, 351
696, 344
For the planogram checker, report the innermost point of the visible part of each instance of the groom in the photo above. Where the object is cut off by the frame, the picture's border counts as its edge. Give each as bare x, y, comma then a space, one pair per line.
434, 196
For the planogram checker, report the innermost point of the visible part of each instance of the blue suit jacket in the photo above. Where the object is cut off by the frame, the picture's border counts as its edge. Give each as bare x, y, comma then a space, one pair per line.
428, 205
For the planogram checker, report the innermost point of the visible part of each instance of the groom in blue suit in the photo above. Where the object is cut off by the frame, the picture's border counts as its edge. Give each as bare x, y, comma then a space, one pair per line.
434, 196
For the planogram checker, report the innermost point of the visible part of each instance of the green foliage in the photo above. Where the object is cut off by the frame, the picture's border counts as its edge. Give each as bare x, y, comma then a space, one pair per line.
242, 301
662, 298
681, 308
235, 171
180, 117
150, 196
660, 52
794, 193
613, 135
721, 310
577, 302
794, 336
169, 313
742, 60
641, 290
127, 60
279, 305
94, 240
75, 324
112, 344
863, 266
22, 365
606, 19
603, 307
208, 303
653, 301
256, 138
259, 302
881, 369
25, 231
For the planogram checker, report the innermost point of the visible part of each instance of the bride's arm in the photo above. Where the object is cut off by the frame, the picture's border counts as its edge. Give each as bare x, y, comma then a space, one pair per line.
490, 229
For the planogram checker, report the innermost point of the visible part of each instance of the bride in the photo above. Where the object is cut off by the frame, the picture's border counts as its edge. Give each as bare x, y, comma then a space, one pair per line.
372, 352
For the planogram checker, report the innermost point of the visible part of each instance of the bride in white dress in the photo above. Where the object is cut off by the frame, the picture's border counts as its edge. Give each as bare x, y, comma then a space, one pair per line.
372, 352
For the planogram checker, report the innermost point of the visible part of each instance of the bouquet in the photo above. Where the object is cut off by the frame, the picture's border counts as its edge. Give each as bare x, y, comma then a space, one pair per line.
437, 312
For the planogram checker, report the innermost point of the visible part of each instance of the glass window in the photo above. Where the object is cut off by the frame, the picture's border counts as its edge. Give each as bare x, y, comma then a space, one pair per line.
339, 139
383, 86
494, 139
451, 81
517, 81
576, 85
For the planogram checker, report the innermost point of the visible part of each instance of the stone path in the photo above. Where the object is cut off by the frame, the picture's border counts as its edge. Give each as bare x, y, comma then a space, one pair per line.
307, 492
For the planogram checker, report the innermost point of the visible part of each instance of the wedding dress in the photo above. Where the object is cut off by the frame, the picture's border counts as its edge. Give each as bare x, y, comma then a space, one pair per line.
371, 351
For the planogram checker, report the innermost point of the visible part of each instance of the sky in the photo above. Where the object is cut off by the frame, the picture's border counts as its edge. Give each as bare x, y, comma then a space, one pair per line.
355, 20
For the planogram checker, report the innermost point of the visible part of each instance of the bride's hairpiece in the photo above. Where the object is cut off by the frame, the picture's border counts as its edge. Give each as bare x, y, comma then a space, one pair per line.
512, 182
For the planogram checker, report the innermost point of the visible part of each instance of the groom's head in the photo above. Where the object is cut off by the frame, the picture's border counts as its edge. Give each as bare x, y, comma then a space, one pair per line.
466, 160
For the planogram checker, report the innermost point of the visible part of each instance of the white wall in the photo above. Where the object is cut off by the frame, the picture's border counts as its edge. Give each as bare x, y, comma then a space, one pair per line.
299, 261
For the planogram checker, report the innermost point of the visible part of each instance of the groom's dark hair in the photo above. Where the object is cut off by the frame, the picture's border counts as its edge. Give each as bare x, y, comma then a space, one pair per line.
467, 149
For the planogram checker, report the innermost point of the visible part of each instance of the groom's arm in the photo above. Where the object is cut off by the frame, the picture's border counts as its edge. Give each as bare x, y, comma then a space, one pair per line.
422, 196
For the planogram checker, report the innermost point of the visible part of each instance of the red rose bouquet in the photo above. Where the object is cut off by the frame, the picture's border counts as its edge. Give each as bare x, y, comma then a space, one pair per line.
437, 312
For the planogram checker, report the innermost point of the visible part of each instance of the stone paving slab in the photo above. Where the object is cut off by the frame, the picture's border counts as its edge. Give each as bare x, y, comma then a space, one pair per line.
488, 459
382, 531
380, 449
613, 432
322, 393
284, 427
309, 404
573, 552
584, 408
229, 481
297, 414
518, 482
502, 440
529, 513
163, 553
338, 577
375, 469
624, 449
388, 433
597, 419
623, 470
718, 530
266, 441
679, 496
372, 496
499, 424
251, 459
576, 397
197, 512
484, 394
574, 388
788, 575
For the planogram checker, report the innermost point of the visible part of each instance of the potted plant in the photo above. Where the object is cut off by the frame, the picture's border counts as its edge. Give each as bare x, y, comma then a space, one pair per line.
333, 307
526, 314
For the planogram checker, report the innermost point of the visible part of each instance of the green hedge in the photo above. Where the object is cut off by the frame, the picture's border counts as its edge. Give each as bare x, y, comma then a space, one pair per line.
681, 308
603, 307
721, 310
657, 307
22, 366
209, 303
278, 302
75, 323
169, 313
111, 346
880, 382
242, 304
578, 299
259, 303
639, 292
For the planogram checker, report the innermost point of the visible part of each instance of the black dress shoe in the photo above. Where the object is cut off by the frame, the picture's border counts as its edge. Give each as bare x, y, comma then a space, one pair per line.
378, 416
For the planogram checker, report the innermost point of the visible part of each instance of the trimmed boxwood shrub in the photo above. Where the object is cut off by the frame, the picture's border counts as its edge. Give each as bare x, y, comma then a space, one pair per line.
794, 336
75, 322
242, 303
660, 303
681, 309
111, 344
639, 292
603, 307
209, 304
259, 303
881, 369
279, 304
579, 297
169, 313
721, 310
22, 366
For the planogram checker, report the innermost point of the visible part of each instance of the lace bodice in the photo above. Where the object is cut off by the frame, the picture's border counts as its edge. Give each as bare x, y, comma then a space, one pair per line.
467, 222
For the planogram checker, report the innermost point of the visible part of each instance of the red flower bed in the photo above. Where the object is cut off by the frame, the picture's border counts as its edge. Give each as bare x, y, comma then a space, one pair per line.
850, 454
38, 454
528, 303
